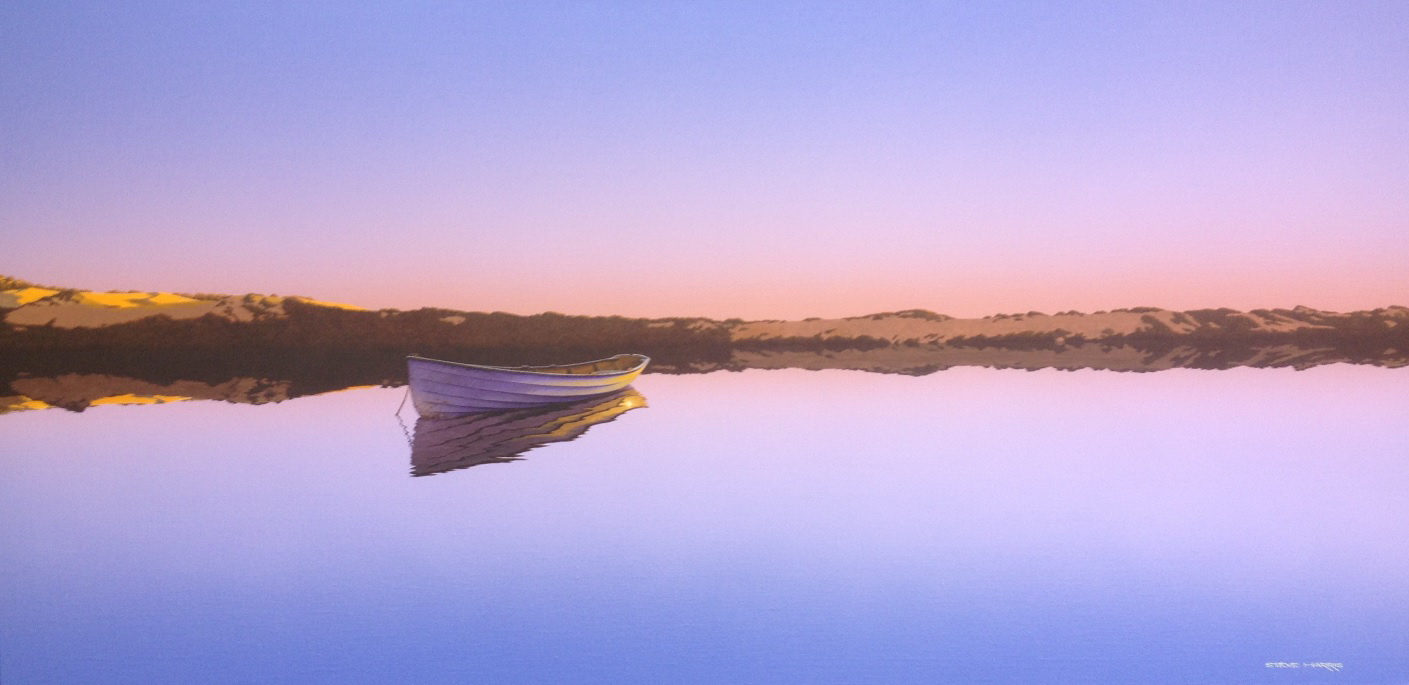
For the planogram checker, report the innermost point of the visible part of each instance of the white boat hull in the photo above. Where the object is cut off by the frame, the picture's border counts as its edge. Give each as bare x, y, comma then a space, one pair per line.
443, 388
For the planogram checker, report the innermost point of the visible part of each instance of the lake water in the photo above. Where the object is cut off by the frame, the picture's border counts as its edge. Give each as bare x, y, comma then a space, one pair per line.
970, 526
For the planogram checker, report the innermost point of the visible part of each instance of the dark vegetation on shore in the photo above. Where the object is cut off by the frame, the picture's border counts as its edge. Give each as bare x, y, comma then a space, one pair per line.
312, 329
1360, 333
313, 349
321, 349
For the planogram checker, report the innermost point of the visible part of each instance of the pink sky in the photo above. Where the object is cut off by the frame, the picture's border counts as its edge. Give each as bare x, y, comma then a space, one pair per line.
723, 161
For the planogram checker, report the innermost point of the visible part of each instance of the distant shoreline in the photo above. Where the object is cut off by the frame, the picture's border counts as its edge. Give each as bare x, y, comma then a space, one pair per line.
74, 348
40, 317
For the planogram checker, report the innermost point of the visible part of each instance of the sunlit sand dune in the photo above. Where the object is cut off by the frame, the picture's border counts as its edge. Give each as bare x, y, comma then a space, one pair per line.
334, 305
926, 327
17, 297
35, 306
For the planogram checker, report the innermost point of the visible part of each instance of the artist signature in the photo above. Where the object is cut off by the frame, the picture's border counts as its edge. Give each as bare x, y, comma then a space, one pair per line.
1328, 665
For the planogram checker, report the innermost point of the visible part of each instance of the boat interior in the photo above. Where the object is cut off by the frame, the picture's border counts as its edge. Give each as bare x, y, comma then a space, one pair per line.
621, 362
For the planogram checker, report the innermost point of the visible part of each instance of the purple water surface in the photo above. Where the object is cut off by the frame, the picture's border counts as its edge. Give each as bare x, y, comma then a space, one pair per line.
974, 526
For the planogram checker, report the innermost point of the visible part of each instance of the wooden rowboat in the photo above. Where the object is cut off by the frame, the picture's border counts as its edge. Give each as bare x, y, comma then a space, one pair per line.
441, 388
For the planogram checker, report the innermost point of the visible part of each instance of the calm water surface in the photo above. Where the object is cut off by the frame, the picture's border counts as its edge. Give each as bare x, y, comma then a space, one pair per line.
972, 526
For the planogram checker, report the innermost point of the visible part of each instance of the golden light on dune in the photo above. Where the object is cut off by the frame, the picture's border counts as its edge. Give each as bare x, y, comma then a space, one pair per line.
27, 403
130, 398
20, 297
132, 299
169, 298
335, 305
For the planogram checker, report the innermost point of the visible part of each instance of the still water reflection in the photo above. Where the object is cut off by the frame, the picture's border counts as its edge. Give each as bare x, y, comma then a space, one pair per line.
496, 437
973, 525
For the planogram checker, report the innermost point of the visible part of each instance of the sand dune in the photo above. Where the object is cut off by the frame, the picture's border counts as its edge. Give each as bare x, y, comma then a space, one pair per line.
32, 306
898, 328
37, 306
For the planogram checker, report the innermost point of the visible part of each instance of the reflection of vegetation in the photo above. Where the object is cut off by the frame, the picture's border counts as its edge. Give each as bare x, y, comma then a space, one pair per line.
1043, 340
307, 349
1225, 334
816, 343
318, 349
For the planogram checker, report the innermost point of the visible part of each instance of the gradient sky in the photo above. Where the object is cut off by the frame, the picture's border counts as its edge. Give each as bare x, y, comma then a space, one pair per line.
761, 160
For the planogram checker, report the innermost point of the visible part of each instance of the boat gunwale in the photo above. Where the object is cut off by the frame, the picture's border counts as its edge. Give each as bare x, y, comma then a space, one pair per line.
529, 370
436, 381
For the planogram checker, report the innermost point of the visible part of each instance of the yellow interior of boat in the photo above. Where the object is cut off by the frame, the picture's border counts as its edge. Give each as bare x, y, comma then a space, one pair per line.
619, 363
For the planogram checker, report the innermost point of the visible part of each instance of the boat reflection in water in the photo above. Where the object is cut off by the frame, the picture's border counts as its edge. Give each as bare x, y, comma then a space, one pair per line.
493, 437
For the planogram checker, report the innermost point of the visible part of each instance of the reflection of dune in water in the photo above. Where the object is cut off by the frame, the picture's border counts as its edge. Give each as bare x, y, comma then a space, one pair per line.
77, 392
448, 444
921, 360
274, 378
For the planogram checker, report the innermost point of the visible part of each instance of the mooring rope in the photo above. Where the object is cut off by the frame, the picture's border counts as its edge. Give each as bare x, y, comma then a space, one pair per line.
401, 406
404, 430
